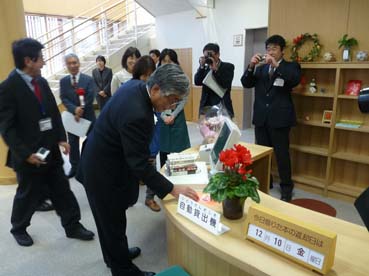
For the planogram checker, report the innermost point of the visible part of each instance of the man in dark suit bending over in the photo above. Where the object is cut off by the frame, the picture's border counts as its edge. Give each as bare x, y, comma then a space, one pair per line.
274, 113
222, 73
30, 120
115, 158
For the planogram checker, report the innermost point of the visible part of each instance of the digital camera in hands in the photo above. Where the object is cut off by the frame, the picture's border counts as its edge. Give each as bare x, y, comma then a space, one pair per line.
208, 59
262, 58
42, 153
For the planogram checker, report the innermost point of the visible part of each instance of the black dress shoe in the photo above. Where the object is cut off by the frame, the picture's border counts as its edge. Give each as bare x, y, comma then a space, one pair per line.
134, 252
286, 197
23, 239
80, 233
147, 273
45, 206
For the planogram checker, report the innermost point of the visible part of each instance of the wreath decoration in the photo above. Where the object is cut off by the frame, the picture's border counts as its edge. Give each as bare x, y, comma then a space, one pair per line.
299, 41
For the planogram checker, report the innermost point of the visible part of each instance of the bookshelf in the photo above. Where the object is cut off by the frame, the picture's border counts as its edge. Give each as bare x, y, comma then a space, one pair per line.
328, 159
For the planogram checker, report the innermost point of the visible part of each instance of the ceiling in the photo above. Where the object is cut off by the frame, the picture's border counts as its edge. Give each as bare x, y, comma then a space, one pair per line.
163, 7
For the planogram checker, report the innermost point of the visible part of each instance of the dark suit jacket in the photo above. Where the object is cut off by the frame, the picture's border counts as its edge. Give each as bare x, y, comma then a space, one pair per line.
70, 98
117, 149
20, 113
273, 104
102, 82
224, 77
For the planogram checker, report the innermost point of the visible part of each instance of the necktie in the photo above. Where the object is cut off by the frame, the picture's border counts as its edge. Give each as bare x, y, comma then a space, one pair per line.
37, 90
74, 81
271, 71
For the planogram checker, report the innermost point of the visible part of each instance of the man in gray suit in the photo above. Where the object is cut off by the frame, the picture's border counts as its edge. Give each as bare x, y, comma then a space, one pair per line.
77, 95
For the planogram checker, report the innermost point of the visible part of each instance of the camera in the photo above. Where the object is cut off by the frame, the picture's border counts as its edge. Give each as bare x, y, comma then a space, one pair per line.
208, 59
42, 153
262, 58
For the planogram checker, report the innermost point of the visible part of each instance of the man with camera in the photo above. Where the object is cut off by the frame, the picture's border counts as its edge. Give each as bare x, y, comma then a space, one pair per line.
274, 113
31, 126
215, 77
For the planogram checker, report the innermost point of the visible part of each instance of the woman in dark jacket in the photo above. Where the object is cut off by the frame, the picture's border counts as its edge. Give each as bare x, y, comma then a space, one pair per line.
102, 76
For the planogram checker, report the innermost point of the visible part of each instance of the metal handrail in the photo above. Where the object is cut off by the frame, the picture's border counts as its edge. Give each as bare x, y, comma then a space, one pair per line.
83, 36
80, 24
83, 39
68, 31
80, 15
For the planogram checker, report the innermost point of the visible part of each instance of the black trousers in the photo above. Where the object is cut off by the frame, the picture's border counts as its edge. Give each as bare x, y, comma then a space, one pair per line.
163, 158
111, 223
278, 138
29, 192
74, 155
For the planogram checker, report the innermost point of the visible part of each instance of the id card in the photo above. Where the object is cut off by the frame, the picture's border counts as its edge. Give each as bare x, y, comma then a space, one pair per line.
279, 82
45, 124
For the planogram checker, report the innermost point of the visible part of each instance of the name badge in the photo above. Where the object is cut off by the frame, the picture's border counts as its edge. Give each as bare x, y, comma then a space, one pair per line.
279, 82
45, 124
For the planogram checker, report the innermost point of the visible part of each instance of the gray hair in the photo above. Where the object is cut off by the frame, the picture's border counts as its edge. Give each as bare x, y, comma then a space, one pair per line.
70, 55
171, 80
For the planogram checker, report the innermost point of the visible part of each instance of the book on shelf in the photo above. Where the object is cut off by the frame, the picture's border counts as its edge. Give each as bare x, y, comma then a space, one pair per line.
349, 124
353, 87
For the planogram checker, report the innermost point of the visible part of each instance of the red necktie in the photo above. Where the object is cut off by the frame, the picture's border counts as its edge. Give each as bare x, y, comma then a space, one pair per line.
37, 90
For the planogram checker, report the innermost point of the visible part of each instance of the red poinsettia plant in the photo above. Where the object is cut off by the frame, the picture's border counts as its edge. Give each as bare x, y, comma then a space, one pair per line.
235, 181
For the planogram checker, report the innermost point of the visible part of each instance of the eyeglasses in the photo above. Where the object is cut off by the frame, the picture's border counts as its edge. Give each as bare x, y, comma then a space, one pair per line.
174, 104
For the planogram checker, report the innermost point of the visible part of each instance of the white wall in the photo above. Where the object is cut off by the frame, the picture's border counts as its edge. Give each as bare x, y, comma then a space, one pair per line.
183, 30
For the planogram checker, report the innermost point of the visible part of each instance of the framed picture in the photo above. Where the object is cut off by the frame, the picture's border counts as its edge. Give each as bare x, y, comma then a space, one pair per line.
327, 117
238, 40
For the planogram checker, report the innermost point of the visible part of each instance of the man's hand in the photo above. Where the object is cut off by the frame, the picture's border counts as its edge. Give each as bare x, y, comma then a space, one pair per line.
169, 120
65, 146
271, 60
102, 94
186, 191
213, 66
34, 160
255, 60
78, 111
202, 61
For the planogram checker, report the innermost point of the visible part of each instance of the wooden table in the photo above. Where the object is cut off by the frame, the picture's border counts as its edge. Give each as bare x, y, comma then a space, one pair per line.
201, 253
261, 157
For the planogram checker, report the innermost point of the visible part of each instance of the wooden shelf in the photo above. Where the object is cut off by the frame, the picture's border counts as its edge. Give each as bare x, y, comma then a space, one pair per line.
306, 94
310, 149
364, 159
348, 97
345, 189
335, 65
310, 180
313, 123
360, 129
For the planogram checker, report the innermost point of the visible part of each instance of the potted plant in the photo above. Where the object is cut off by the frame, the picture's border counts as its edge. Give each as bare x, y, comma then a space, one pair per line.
234, 184
347, 44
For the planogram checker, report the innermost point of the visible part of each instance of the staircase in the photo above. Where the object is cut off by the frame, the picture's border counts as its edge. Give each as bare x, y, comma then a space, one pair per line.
108, 30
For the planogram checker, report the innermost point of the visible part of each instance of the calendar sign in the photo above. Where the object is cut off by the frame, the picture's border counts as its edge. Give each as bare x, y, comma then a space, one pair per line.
201, 215
303, 243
